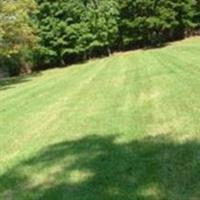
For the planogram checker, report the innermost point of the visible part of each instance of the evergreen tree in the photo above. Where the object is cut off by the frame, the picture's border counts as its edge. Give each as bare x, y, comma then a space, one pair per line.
73, 30
151, 22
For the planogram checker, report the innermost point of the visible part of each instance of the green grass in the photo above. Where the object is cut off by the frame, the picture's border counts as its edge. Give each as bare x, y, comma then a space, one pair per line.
120, 128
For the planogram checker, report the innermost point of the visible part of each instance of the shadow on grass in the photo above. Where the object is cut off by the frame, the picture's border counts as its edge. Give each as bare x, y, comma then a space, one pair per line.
99, 168
8, 83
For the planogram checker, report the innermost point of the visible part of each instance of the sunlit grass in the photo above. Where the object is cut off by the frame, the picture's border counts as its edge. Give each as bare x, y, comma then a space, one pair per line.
123, 127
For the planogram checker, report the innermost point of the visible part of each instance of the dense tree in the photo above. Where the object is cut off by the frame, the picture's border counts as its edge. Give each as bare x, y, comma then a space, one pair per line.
75, 30
101, 18
15, 29
151, 22
58, 23
197, 14
17, 33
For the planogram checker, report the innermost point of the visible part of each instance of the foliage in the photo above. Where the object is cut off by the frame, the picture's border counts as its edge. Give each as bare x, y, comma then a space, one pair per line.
15, 29
75, 30
17, 34
72, 28
153, 22
197, 14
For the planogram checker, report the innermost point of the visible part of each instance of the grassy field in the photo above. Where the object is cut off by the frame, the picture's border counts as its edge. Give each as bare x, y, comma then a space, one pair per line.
120, 128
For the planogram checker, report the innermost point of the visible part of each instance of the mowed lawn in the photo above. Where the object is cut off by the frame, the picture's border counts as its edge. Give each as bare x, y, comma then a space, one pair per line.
125, 127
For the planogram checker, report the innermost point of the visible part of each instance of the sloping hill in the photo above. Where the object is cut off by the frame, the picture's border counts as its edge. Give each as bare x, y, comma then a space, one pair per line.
119, 128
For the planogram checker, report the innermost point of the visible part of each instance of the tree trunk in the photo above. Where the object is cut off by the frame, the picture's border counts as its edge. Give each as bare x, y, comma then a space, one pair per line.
109, 51
84, 56
62, 62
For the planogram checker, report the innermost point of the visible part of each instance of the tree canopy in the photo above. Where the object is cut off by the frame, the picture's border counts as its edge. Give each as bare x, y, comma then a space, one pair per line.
16, 32
75, 30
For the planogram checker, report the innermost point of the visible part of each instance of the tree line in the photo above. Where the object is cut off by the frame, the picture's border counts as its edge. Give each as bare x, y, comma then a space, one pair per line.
48, 33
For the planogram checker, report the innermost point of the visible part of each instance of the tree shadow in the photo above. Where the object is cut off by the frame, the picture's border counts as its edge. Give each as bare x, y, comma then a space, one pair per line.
8, 83
100, 168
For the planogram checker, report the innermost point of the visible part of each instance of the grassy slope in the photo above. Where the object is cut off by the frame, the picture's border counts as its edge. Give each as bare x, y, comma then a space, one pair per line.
124, 127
